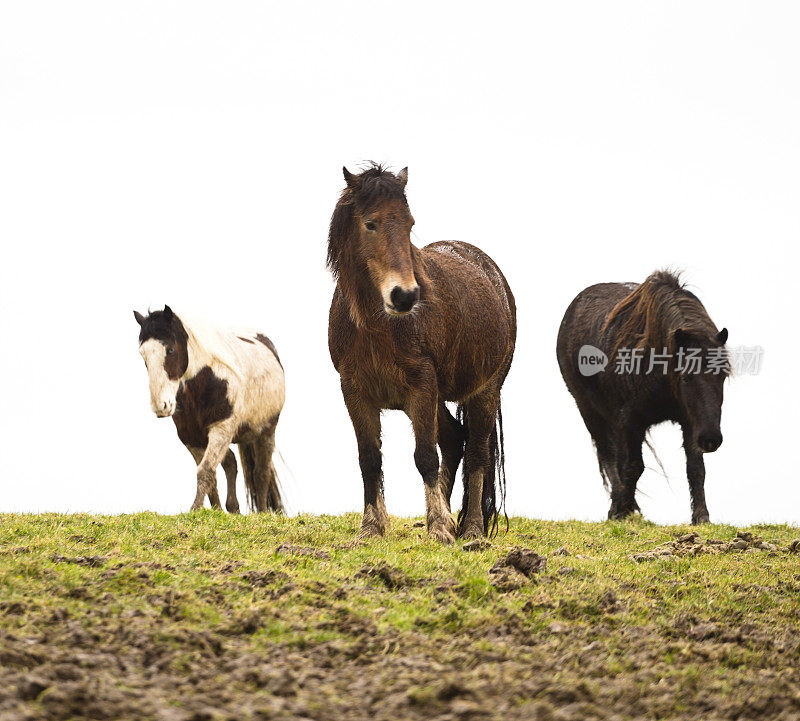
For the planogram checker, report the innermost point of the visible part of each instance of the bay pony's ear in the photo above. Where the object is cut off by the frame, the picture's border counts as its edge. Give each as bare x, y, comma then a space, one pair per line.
722, 336
402, 176
139, 317
349, 178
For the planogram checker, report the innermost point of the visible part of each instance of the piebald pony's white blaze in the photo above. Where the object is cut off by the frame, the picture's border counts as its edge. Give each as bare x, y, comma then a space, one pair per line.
163, 391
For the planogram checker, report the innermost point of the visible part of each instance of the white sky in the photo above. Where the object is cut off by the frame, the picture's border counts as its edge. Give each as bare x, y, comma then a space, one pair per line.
191, 153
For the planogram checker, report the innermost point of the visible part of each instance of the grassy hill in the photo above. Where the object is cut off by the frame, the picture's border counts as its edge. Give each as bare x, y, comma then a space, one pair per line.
209, 616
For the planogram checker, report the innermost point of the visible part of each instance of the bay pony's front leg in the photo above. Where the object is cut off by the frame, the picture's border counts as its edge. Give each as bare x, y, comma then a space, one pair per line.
220, 438
422, 410
366, 419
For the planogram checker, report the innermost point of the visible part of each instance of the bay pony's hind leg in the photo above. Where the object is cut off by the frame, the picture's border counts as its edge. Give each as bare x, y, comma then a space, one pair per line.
422, 409
219, 442
481, 413
229, 466
451, 444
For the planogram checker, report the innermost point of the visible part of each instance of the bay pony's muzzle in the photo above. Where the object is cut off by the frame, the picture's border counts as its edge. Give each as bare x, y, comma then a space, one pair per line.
399, 298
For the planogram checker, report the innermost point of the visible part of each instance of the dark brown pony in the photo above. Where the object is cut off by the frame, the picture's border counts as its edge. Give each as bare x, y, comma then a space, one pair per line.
684, 386
410, 329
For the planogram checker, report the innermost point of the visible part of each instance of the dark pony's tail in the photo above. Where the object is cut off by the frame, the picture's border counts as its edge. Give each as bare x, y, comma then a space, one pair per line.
263, 493
494, 482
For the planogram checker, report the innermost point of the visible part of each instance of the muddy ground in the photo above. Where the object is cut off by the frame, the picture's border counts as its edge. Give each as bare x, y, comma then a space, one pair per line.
551, 621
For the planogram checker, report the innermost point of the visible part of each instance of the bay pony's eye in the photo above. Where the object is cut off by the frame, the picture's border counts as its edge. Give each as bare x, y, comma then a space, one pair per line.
370, 225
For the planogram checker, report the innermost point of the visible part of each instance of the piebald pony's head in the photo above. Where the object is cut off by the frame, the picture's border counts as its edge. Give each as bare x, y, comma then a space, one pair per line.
164, 346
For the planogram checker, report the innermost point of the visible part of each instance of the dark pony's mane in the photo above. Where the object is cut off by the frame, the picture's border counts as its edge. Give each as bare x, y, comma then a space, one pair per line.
366, 190
650, 315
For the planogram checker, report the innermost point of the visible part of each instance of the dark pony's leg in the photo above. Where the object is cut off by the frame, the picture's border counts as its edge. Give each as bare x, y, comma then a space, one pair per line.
229, 466
366, 420
481, 414
630, 467
604, 442
696, 474
451, 443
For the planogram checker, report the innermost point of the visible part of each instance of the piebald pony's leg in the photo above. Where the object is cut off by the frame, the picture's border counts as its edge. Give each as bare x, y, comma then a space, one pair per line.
219, 442
229, 466
197, 454
266, 480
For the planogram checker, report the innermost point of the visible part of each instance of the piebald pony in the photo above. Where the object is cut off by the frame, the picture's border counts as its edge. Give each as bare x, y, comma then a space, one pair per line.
220, 387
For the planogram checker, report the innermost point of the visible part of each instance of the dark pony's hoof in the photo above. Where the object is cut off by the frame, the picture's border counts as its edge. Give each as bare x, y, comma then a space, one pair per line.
370, 531
700, 518
615, 514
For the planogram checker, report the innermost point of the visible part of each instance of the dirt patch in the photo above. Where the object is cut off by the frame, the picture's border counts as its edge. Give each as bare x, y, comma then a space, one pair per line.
691, 544
90, 561
393, 578
506, 579
516, 568
288, 549
523, 560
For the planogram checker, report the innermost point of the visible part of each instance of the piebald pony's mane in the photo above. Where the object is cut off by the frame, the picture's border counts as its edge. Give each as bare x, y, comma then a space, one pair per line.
207, 344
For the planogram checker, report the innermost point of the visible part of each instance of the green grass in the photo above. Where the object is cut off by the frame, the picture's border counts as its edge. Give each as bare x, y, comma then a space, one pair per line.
212, 585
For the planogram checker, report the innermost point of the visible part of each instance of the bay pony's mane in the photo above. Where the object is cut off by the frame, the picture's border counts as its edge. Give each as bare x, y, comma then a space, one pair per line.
375, 183
208, 344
